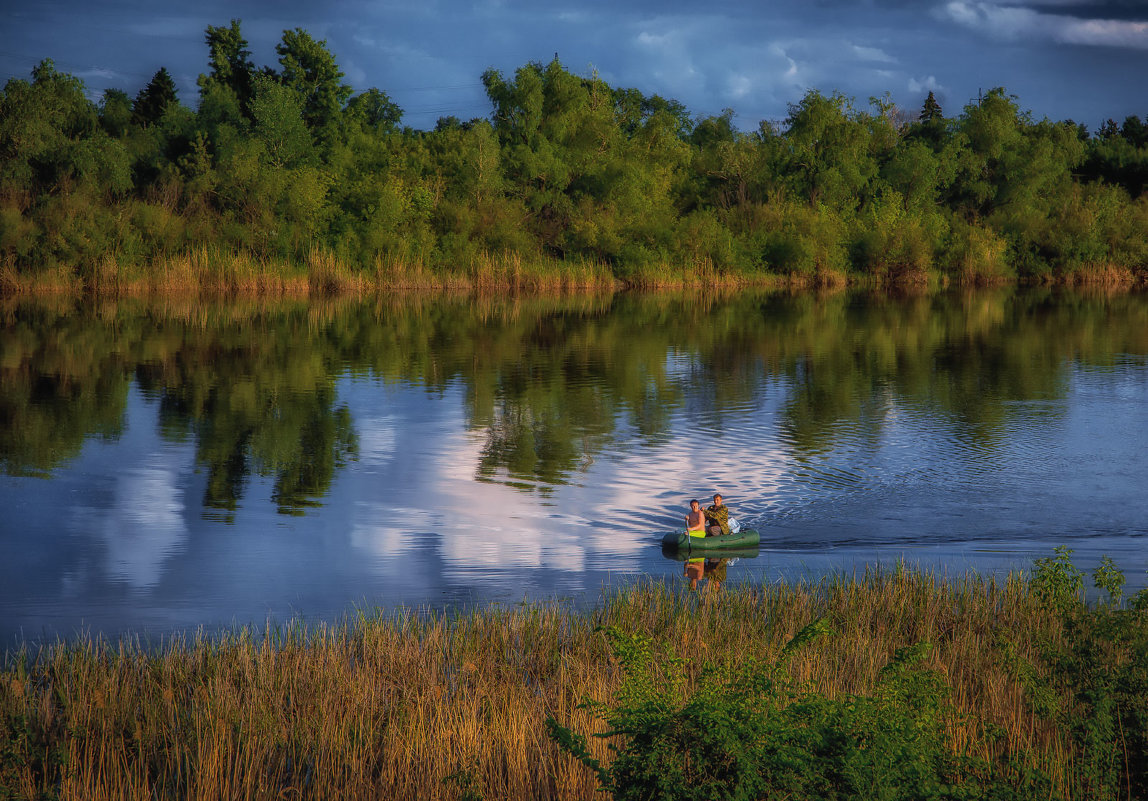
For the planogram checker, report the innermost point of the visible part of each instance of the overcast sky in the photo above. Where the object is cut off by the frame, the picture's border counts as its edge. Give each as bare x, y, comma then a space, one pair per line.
1063, 59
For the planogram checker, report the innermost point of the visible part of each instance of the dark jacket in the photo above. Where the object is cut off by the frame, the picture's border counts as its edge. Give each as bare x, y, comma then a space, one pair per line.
718, 515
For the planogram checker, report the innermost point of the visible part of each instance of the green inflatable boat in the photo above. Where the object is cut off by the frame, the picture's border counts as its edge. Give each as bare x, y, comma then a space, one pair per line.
672, 553
681, 541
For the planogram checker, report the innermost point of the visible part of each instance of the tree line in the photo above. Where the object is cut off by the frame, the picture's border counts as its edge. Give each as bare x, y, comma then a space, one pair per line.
279, 163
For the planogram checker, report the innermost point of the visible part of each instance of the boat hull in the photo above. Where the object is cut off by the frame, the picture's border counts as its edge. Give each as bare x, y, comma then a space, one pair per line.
710, 553
680, 541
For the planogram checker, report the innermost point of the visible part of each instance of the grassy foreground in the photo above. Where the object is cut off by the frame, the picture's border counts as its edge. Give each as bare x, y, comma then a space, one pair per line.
1030, 684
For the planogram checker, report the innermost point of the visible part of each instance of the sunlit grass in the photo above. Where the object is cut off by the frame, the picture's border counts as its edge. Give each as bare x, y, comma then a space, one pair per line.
396, 702
211, 271
215, 272
1102, 275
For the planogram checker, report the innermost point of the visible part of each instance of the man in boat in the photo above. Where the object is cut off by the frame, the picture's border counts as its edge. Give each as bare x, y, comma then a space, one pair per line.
695, 520
717, 518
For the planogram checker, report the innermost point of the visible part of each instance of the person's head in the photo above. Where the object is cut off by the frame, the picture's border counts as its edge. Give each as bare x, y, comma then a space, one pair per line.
717, 500
695, 504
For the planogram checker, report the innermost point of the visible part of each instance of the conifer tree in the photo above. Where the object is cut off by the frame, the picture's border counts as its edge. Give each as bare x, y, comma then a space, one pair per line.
931, 111
153, 99
1134, 131
930, 127
1109, 130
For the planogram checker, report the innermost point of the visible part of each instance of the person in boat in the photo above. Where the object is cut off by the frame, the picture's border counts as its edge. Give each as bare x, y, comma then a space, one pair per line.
696, 520
717, 518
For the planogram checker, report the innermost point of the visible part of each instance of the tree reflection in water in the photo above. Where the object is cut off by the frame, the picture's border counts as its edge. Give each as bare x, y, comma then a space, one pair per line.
547, 382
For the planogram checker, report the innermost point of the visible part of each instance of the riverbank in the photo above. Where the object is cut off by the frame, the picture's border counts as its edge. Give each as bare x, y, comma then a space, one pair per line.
455, 705
213, 273
210, 272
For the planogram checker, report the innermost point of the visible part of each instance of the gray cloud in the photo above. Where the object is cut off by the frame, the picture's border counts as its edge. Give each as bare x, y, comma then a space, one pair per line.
1010, 21
1064, 58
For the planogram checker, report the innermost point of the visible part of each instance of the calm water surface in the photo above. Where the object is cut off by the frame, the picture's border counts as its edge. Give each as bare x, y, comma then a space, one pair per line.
169, 467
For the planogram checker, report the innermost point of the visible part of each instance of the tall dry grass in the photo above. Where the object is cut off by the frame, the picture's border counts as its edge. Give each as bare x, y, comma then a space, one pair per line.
1109, 276
213, 272
391, 705
207, 271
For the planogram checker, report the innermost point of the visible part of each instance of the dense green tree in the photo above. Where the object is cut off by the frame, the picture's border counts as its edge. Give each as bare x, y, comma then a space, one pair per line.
61, 176
277, 118
115, 112
230, 62
1017, 174
284, 164
309, 69
596, 180
38, 123
827, 159
374, 111
635, 109
1119, 155
712, 131
1116, 161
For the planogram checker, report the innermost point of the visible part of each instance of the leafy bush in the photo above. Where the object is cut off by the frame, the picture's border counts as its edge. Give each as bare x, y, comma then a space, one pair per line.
1093, 681
1056, 582
751, 732
977, 254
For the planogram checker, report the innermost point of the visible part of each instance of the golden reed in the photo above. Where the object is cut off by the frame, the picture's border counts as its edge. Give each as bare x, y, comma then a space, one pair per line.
213, 272
392, 705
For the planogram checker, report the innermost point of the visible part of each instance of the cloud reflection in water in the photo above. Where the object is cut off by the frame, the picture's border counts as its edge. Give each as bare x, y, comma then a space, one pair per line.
143, 526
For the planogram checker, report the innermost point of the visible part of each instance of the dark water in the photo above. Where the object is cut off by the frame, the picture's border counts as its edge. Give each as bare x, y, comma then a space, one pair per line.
174, 467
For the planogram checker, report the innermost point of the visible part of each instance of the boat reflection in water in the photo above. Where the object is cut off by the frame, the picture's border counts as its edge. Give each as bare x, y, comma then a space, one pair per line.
709, 565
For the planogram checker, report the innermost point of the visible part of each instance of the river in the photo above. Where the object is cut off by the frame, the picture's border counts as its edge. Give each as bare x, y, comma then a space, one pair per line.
170, 466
